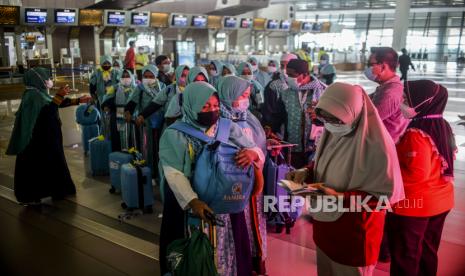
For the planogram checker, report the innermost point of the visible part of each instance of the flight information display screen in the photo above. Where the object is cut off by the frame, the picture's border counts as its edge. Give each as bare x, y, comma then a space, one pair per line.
199, 21
140, 19
35, 16
65, 16
285, 25
230, 22
272, 24
246, 23
307, 26
179, 20
116, 18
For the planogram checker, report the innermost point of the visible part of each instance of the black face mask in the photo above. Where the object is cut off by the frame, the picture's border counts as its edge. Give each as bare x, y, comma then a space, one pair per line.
106, 67
207, 119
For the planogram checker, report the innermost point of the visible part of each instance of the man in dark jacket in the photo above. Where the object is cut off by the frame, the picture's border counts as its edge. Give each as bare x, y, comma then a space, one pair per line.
404, 63
164, 69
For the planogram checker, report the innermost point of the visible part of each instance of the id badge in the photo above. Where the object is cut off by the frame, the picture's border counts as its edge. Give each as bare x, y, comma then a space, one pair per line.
120, 113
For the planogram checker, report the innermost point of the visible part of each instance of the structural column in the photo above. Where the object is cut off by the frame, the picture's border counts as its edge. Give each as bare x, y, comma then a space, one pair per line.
401, 23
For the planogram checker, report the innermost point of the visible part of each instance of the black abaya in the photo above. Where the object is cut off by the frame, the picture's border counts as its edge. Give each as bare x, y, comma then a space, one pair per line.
41, 168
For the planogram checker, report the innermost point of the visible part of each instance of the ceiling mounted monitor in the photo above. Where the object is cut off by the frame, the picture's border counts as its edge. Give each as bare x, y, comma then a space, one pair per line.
259, 24
90, 17
35, 16
246, 23
272, 24
230, 22
179, 21
10, 15
285, 25
115, 18
307, 26
66, 16
140, 19
199, 21
159, 20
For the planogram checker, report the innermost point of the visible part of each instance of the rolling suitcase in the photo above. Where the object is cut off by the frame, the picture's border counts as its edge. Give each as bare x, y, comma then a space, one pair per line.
136, 183
100, 149
136, 187
118, 159
88, 132
276, 170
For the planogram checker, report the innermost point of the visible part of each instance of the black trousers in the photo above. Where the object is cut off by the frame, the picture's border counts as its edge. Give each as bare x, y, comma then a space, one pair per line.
414, 243
404, 74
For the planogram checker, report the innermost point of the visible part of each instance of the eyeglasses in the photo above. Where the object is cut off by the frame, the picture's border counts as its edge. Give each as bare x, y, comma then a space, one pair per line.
370, 64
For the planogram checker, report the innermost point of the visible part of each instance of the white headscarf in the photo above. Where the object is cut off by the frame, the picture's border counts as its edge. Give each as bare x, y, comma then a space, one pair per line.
364, 160
288, 57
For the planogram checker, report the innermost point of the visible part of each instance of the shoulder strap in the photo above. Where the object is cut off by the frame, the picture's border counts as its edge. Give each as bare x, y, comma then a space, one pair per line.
191, 131
224, 129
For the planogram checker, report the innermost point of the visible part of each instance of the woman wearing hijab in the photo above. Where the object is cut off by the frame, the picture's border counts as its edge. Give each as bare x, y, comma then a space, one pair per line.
104, 80
118, 66
37, 141
263, 78
426, 155
356, 157
215, 71
245, 71
174, 109
234, 96
114, 103
177, 155
326, 71
162, 100
228, 70
138, 101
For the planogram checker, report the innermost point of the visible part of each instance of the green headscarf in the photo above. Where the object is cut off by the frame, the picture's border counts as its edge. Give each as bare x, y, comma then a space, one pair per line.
33, 100
151, 68
195, 71
276, 62
119, 62
218, 65
241, 67
178, 72
230, 68
106, 58
231, 88
195, 97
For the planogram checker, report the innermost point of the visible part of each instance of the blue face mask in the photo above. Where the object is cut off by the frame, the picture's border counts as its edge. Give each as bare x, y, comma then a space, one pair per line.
369, 74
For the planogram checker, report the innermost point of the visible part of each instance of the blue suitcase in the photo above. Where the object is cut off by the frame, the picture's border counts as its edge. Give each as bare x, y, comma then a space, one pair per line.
117, 160
88, 132
99, 153
87, 114
136, 188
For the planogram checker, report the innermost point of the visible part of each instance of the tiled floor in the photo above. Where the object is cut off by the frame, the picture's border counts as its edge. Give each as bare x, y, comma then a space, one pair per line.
287, 254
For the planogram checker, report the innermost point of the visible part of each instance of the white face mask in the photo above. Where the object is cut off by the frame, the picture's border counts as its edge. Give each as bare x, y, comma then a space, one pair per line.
126, 81
338, 130
49, 84
247, 77
293, 84
242, 106
149, 82
254, 68
166, 68
228, 75
213, 73
271, 69
323, 62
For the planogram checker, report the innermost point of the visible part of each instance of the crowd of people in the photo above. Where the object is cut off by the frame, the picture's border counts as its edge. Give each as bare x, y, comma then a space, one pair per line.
393, 143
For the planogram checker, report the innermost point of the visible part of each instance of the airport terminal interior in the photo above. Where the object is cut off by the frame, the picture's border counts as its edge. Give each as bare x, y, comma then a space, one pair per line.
112, 223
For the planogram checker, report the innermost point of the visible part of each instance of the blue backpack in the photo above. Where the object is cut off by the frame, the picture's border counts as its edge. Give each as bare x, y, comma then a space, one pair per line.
157, 119
217, 180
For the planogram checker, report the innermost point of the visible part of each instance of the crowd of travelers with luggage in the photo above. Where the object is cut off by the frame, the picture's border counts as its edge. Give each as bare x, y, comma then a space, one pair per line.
218, 139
